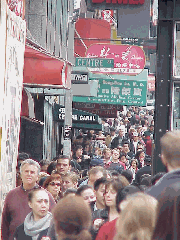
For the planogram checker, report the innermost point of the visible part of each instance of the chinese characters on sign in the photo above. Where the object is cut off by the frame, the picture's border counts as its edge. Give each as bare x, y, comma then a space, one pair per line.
128, 60
118, 92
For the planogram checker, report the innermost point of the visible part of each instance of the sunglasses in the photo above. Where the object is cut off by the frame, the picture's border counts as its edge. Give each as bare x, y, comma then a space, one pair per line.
53, 184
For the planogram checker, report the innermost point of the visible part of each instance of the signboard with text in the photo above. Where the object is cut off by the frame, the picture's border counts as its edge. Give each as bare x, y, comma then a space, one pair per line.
96, 63
128, 59
111, 4
121, 92
79, 77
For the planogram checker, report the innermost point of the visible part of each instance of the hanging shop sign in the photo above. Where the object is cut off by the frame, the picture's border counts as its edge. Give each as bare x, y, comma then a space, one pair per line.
121, 92
77, 115
102, 110
111, 4
128, 59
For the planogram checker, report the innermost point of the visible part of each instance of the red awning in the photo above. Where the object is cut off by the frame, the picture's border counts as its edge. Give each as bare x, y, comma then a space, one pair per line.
43, 70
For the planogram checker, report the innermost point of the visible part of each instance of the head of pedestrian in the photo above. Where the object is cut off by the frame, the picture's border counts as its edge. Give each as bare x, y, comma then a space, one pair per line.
87, 193
99, 190
121, 131
170, 151
37, 222
72, 219
63, 164
29, 171
53, 185
69, 180
96, 173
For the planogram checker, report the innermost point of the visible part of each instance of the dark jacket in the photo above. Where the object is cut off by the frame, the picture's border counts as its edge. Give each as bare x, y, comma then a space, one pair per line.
117, 141
166, 181
142, 171
20, 234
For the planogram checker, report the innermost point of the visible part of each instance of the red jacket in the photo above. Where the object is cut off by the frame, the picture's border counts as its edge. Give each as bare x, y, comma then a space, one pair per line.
107, 231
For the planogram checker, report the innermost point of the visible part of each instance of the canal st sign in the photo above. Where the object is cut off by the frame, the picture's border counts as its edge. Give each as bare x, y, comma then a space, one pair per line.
128, 59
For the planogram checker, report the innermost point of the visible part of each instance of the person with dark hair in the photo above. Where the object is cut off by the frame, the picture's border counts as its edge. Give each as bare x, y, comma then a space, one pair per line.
51, 167
88, 195
37, 222
44, 163
99, 189
16, 202
108, 230
70, 191
72, 219
115, 164
140, 156
128, 175
144, 170
126, 150
168, 217
78, 160
133, 167
156, 177
63, 164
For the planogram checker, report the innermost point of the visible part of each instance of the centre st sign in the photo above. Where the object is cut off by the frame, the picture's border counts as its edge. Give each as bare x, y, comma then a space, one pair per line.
121, 92
95, 63
128, 59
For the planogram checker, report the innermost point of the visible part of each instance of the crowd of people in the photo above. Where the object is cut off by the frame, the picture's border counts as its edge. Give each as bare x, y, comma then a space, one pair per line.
104, 191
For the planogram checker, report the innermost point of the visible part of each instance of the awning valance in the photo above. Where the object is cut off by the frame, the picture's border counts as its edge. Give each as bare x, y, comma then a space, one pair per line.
42, 69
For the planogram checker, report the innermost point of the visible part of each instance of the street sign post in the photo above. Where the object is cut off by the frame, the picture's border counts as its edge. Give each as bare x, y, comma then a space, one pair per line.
95, 62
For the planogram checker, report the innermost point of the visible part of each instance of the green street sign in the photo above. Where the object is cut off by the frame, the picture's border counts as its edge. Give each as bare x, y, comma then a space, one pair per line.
94, 62
123, 92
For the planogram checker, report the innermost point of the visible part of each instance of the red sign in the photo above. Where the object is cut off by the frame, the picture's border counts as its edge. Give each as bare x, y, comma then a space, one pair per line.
128, 59
16, 6
108, 15
151, 83
131, 2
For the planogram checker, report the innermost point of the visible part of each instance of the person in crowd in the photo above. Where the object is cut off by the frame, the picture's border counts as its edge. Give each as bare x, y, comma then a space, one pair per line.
44, 163
141, 223
148, 142
168, 217
37, 222
72, 219
115, 164
128, 175
16, 202
118, 140
70, 180
156, 177
97, 153
80, 161
140, 156
126, 150
70, 192
123, 160
94, 174
107, 156
145, 182
144, 170
51, 167
134, 142
88, 195
99, 190
63, 164
107, 230
53, 185
133, 167
170, 157
21, 157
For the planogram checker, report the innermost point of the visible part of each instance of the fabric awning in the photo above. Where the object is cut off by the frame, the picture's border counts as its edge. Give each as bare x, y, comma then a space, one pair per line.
41, 69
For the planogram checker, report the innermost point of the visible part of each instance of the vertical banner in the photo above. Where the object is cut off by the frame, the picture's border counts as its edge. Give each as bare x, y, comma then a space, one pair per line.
13, 84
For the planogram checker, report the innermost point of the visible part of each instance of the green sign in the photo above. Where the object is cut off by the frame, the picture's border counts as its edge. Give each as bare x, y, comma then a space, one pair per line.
123, 92
95, 62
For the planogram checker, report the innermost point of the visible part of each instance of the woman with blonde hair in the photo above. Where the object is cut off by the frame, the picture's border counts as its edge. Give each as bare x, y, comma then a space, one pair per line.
137, 218
72, 219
